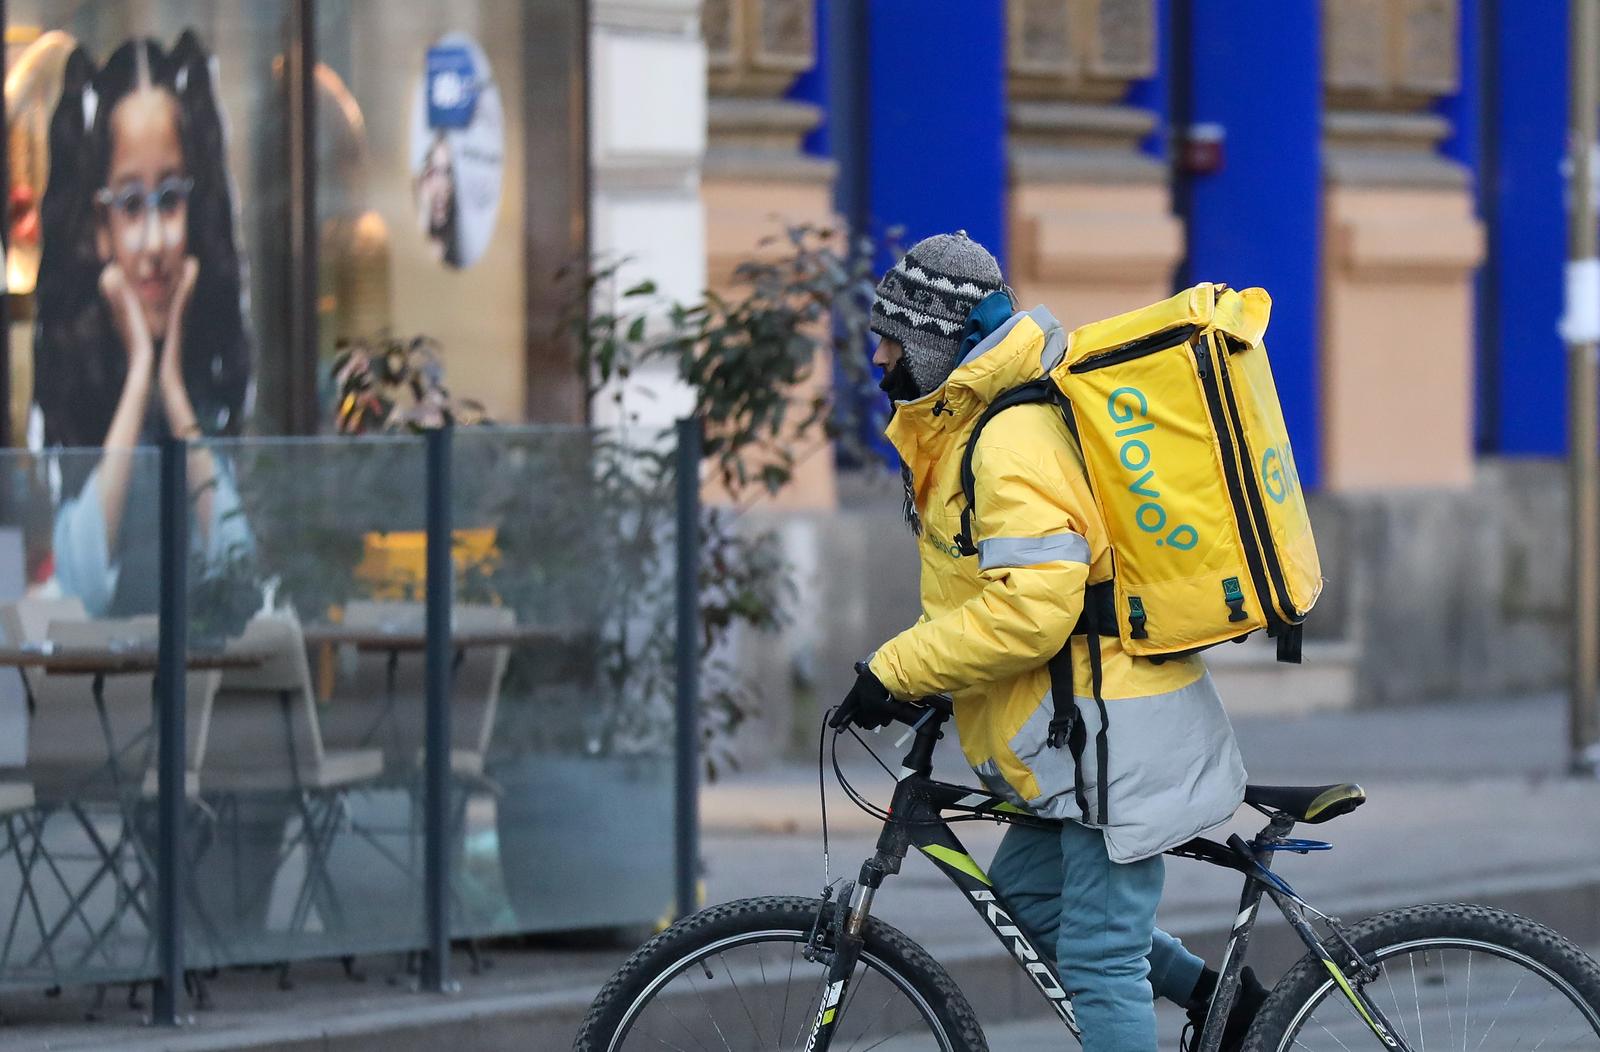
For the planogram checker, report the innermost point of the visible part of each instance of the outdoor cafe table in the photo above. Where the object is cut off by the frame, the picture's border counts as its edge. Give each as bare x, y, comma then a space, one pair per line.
102, 661
410, 637
113, 659
99, 662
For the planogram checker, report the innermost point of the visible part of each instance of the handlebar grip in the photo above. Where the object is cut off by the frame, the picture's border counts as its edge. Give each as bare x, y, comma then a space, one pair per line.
908, 712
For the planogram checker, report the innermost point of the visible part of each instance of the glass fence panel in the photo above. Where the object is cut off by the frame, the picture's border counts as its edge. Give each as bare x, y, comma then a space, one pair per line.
78, 595
304, 737
304, 603
562, 698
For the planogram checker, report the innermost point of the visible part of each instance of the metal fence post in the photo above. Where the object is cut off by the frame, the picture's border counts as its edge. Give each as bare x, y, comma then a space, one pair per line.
687, 812
1581, 329
170, 703
436, 802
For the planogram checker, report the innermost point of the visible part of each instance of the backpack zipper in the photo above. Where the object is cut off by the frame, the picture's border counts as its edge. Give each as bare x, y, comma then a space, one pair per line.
1258, 508
1156, 341
1236, 491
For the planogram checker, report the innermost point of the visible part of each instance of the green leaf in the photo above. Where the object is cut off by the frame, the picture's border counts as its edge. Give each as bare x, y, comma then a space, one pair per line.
643, 288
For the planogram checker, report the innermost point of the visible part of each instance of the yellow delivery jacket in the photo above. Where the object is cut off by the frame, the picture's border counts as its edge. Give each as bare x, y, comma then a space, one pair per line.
991, 622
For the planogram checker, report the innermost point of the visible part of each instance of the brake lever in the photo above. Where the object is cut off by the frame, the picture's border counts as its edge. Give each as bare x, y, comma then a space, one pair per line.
914, 728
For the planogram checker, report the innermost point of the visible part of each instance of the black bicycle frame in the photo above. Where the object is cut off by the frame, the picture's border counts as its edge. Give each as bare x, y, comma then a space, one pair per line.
918, 820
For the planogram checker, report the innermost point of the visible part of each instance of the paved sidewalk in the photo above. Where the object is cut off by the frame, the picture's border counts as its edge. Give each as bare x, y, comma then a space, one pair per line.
1467, 801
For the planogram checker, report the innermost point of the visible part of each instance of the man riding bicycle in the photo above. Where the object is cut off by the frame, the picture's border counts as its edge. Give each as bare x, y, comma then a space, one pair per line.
1141, 764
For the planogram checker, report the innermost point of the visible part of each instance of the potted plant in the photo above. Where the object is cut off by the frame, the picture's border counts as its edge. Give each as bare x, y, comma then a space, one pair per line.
593, 749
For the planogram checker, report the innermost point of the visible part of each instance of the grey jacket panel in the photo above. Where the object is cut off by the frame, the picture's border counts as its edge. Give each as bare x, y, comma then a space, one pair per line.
1175, 768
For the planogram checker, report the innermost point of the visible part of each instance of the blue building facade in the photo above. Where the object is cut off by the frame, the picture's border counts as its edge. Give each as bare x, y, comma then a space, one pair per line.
1295, 142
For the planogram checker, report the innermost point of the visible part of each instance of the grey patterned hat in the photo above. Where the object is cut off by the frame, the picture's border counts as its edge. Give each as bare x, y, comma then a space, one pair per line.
923, 301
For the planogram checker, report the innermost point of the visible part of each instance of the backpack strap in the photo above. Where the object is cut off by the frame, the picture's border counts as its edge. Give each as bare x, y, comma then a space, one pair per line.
1066, 723
1102, 746
1028, 393
1098, 617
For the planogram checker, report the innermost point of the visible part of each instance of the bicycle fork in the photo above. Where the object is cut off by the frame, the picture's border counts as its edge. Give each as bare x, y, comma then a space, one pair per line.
845, 935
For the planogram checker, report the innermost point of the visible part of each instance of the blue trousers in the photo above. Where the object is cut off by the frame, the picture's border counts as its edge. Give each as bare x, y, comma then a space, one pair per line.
1098, 918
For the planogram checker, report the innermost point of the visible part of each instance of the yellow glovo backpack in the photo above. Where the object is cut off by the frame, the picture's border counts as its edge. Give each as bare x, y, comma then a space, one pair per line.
1186, 451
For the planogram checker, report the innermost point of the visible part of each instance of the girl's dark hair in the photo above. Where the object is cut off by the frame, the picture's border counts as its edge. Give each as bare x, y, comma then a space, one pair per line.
79, 360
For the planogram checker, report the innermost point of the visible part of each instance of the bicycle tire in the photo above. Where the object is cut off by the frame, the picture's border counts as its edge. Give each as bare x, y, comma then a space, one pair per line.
893, 954
1439, 928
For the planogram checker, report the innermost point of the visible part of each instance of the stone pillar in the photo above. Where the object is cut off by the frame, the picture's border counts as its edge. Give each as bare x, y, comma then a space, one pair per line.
1400, 247
756, 178
1091, 225
647, 134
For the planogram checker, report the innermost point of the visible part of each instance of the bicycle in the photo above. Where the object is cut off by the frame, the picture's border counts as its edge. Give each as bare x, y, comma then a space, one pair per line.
681, 992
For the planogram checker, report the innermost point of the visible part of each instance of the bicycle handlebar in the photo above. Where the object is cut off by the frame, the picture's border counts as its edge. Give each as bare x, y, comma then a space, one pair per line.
910, 712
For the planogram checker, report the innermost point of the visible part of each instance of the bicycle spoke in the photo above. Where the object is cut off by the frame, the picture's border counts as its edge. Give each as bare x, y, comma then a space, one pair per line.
1411, 959
789, 985
1335, 1037
663, 1041
1496, 1018
709, 1013
679, 1020
875, 1016
891, 1037
1534, 1014
740, 994
762, 966
1547, 1034
1466, 1018
1399, 1014
1449, 1020
811, 1016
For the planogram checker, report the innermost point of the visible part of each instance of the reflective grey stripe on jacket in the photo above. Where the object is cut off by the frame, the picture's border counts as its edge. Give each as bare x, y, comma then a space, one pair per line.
1067, 547
1175, 767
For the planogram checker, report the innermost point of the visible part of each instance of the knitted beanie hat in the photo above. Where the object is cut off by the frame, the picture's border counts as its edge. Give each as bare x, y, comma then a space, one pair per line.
923, 301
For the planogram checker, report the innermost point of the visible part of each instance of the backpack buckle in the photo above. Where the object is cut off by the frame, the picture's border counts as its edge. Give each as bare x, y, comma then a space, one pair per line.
1136, 629
1233, 595
1061, 729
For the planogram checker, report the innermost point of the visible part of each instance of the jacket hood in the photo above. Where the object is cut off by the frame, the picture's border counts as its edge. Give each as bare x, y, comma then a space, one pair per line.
1026, 347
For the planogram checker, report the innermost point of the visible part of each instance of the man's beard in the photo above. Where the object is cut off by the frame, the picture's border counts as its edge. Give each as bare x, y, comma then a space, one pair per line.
899, 384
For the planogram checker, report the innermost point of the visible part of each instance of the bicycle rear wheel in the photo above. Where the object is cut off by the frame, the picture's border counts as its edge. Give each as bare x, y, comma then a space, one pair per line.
733, 977
1451, 976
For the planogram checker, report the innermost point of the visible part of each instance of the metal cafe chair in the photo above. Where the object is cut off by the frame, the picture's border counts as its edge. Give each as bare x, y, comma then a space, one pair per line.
25, 846
365, 709
367, 705
124, 708
266, 743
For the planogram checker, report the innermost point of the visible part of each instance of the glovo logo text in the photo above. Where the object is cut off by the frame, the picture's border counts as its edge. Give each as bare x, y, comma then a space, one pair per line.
1128, 406
1279, 476
949, 548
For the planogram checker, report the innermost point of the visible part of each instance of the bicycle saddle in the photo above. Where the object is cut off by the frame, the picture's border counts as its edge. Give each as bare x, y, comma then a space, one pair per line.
1307, 803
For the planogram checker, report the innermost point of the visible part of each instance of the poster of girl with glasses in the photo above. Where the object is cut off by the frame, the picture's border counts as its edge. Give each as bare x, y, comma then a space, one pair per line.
140, 330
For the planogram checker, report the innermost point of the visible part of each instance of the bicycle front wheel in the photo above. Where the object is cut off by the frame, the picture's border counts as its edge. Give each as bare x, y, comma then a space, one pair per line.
1450, 976
734, 977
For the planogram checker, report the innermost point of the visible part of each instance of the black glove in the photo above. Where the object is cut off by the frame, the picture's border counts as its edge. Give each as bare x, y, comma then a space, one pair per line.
867, 705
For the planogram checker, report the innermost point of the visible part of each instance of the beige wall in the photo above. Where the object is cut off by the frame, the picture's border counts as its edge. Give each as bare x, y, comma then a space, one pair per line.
1088, 251
757, 181
475, 313
1397, 368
